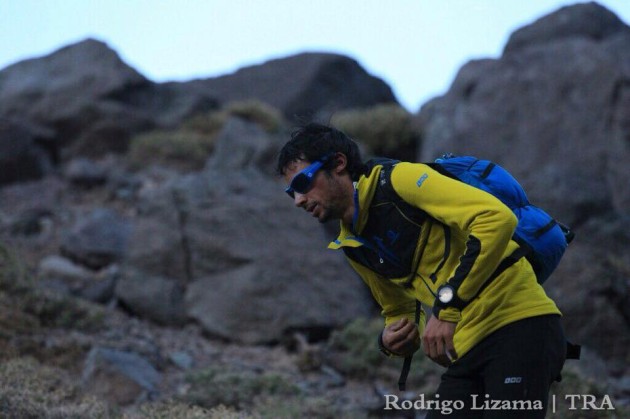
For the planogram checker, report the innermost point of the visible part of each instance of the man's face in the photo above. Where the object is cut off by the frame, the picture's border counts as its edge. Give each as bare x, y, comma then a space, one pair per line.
326, 199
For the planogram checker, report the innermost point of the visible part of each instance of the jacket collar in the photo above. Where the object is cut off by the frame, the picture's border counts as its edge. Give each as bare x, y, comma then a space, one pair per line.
363, 193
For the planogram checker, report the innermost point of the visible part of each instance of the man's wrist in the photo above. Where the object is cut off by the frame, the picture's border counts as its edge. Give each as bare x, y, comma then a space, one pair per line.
382, 347
386, 351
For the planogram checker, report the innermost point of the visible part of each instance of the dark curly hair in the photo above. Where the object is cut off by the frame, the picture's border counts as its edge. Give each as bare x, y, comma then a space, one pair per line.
313, 141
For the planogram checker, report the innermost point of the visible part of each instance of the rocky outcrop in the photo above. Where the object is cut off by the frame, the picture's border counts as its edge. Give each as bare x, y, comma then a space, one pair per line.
89, 102
553, 110
304, 87
68, 91
586, 20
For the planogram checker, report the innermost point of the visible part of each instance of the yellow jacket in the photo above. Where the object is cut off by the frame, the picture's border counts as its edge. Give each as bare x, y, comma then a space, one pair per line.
465, 235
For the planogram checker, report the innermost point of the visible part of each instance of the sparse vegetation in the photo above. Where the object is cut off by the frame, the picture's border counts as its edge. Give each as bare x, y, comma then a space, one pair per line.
222, 386
188, 147
29, 389
353, 351
182, 149
174, 409
355, 348
266, 116
387, 130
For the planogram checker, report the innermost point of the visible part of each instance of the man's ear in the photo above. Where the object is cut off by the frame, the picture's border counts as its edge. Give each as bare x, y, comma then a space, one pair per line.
341, 162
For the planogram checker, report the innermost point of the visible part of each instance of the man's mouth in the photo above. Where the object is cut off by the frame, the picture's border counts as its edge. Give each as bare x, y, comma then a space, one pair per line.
311, 208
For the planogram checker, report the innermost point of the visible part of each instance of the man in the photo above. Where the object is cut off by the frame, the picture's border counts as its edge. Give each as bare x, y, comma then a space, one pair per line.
414, 234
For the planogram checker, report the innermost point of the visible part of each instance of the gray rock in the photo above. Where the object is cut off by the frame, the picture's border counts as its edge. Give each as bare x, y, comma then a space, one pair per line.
120, 377
98, 239
181, 359
54, 266
64, 275
242, 145
160, 299
86, 173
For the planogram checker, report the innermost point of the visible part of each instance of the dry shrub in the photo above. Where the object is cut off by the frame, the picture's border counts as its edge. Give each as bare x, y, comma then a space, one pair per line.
387, 130
266, 116
173, 409
13, 277
182, 149
353, 348
31, 390
223, 386
209, 124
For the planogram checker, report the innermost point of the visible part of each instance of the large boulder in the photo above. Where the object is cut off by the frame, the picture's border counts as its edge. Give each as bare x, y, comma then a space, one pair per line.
120, 377
304, 86
91, 99
97, 239
252, 267
68, 89
554, 111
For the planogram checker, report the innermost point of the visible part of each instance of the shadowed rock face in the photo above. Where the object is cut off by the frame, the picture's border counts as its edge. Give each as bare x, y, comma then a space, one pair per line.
248, 265
554, 111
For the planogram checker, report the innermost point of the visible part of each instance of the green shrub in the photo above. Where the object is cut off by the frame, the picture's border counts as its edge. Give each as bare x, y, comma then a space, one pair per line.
387, 130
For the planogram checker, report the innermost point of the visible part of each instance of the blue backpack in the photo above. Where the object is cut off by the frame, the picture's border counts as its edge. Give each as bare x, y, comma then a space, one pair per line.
544, 239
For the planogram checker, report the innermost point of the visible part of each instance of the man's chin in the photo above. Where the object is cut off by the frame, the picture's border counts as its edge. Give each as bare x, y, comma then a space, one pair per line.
324, 217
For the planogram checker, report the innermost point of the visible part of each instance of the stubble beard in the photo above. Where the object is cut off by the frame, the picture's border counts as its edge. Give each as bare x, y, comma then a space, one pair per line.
333, 209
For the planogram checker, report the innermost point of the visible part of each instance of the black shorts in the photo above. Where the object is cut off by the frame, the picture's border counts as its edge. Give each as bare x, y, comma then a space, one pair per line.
508, 374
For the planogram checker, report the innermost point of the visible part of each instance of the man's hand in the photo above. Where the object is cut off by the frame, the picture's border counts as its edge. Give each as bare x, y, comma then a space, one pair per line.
401, 337
437, 341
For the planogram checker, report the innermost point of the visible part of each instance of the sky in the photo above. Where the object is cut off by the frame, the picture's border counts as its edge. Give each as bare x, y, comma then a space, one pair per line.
415, 46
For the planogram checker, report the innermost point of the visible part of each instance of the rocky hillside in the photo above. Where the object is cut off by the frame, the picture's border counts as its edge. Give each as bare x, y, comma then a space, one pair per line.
150, 251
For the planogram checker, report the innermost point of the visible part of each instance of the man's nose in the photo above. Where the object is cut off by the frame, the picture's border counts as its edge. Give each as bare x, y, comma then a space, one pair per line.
299, 199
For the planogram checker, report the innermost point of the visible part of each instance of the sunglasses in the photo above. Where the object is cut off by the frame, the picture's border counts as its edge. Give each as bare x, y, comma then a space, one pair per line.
303, 181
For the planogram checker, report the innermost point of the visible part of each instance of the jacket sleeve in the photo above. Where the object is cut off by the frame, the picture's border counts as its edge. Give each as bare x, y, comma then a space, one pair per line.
394, 301
486, 224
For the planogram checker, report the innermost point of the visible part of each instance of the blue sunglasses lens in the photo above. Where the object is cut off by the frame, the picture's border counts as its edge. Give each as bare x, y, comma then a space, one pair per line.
301, 182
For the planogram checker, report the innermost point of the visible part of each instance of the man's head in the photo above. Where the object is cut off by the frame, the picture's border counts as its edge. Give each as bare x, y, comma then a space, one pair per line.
319, 164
